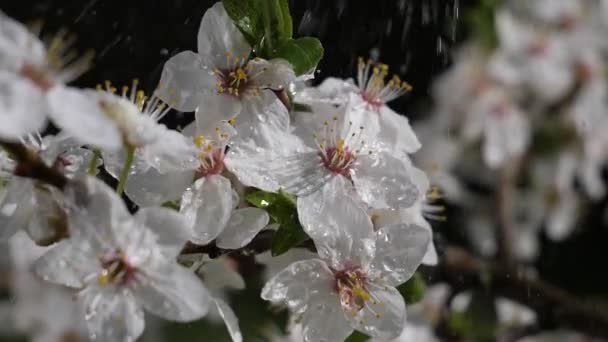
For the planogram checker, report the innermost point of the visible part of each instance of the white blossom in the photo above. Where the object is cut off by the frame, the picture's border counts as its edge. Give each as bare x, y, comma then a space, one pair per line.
351, 286
122, 263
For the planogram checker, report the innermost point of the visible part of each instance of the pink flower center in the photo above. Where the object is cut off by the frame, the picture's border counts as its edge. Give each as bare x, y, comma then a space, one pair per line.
374, 89
37, 76
351, 285
338, 159
211, 163
116, 269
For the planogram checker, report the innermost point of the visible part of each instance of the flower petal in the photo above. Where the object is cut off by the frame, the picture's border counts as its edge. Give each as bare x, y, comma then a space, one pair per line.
396, 132
220, 39
173, 292
16, 207
274, 74
214, 108
152, 188
324, 320
112, 316
66, 264
383, 316
170, 227
184, 79
79, 114
207, 205
243, 226
22, 107
383, 181
338, 224
299, 283
230, 319
18, 45
399, 251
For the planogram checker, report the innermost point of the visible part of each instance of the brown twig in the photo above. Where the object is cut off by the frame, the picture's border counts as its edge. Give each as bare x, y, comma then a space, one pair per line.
29, 164
554, 307
505, 194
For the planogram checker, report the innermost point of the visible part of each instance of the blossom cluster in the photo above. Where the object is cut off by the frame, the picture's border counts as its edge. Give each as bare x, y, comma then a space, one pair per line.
530, 98
343, 157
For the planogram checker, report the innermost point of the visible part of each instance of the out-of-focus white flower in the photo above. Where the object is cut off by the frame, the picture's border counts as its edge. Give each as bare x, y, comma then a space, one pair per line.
352, 285
220, 79
504, 128
33, 78
338, 149
121, 263
36, 207
45, 312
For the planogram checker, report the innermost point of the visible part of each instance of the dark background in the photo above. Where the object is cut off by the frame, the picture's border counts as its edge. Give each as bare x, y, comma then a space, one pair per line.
133, 39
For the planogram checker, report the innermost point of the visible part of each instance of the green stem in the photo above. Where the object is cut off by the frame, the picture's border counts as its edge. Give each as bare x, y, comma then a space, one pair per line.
126, 169
92, 169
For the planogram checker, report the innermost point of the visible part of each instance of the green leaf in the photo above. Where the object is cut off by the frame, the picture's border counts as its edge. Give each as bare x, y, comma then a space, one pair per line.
413, 289
282, 209
303, 53
247, 16
357, 337
277, 25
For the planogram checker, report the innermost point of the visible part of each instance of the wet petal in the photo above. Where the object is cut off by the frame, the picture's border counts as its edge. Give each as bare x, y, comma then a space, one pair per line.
170, 227
396, 132
173, 292
22, 107
399, 251
66, 264
383, 315
184, 79
338, 224
274, 74
383, 181
243, 226
299, 284
207, 205
220, 39
152, 188
17, 207
18, 45
214, 108
79, 114
230, 319
324, 320
112, 316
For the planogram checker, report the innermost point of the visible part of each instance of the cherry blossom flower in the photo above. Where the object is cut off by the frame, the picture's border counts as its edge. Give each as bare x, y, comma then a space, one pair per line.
33, 78
221, 79
37, 207
351, 286
339, 150
121, 263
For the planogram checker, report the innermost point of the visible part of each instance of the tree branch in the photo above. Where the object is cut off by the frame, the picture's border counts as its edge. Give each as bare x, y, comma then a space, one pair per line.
505, 194
29, 164
554, 307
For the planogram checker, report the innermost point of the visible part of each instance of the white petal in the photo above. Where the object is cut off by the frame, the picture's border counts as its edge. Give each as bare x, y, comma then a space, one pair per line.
18, 45
207, 205
250, 167
274, 74
184, 79
79, 114
22, 107
324, 320
230, 319
383, 316
173, 292
301, 174
66, 264
243, 226
170, 152
220, 274
112, 316
399, 251
395, 131
383, 181
170, 227
17, 207
300, 283
218, 36
153, 188
214, 108
338, 224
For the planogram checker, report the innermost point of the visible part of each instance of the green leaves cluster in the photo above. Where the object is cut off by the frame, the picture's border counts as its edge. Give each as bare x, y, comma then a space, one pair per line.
267, 26
282, 210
